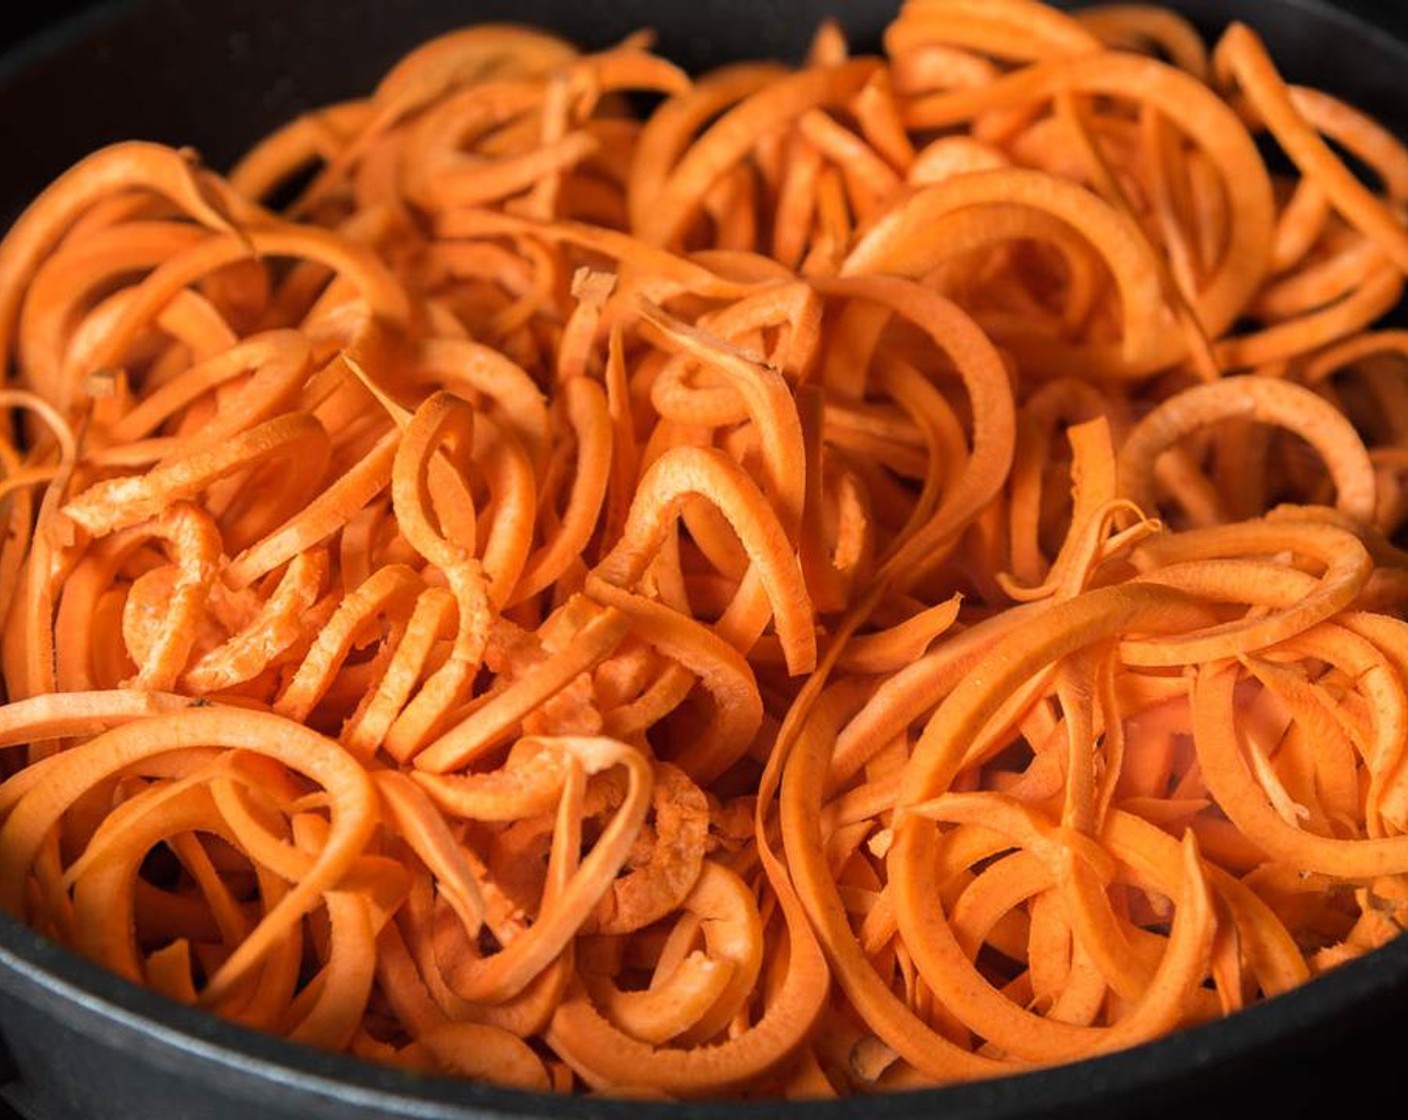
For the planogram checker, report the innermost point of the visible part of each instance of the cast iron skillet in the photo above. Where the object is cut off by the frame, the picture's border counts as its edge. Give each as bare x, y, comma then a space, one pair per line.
81, 1042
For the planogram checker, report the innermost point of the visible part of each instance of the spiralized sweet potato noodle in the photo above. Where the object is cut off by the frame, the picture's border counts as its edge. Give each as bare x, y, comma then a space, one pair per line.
881, 573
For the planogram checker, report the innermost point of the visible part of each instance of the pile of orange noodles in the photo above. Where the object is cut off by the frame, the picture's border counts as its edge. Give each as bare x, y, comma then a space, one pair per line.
877, 575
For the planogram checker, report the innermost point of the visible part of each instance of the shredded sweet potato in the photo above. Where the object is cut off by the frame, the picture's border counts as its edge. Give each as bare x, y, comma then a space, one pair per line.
882, 573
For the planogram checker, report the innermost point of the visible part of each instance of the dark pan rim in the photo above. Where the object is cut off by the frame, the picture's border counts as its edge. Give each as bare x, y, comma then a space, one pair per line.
81, 995
83, 24
132, 1019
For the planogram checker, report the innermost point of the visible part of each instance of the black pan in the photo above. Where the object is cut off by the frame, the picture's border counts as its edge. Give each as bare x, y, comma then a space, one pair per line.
79, 1043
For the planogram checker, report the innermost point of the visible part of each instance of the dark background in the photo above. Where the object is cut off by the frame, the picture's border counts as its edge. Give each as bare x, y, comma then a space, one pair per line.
1361, 1068
18, 20
21, 19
